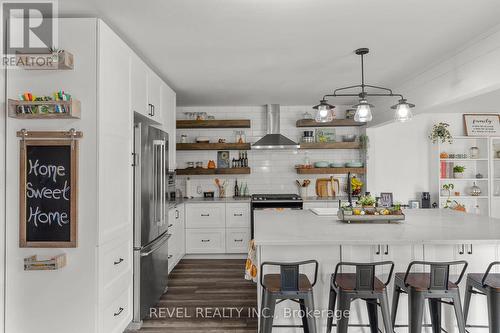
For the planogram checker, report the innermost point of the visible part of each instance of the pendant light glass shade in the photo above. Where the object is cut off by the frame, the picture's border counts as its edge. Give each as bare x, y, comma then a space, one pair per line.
403, 111
324, 113
363, 112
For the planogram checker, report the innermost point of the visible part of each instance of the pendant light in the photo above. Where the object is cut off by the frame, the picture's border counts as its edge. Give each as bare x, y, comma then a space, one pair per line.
403, 111
363, 108
363, 111
324, 113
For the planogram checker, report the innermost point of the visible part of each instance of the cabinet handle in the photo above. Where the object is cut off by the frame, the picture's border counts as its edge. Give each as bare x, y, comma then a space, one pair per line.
205, 215
120, 310
386, 252
238, 240
470, 251
240, 214
462, 249
150, 109
205, 240
170, 225
153, 108
177, 214
119, 261
169, 256
378, 250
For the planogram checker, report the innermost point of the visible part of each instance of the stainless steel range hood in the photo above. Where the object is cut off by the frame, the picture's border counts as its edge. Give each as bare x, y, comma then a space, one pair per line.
273, 139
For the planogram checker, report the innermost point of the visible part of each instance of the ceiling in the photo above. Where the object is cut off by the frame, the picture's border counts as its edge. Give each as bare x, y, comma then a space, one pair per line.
252, 52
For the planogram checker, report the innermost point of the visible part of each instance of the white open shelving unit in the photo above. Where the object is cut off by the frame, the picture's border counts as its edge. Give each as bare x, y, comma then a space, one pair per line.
487, 164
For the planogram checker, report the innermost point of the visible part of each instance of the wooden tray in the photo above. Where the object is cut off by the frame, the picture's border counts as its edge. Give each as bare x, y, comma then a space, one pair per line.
370, 218
32, 263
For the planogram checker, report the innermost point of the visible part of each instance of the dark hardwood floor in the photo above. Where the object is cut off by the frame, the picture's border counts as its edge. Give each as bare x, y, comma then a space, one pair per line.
206, 296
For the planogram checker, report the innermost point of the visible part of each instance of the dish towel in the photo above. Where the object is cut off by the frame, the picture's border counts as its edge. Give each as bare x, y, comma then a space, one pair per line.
250, 267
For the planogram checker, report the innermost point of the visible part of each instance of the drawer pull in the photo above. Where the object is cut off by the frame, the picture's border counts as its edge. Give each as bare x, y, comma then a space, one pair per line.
240, 214
170, 225
119, 261
177, 214
169, 256
238, 240
205, 240
120, 310
205, 215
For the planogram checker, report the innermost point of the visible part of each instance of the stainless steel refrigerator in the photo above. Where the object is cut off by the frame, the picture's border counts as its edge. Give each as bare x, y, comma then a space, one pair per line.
150, 217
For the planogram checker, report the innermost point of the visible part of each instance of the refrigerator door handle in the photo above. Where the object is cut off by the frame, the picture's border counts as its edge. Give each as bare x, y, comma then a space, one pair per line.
156, 246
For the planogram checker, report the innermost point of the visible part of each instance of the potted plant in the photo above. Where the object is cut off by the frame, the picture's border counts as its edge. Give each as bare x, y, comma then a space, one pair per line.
367, 201
346, 209
396, 209
441, 133
458, 171
446, 191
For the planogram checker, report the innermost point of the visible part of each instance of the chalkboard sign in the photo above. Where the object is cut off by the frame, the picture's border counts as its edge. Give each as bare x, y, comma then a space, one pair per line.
48, 196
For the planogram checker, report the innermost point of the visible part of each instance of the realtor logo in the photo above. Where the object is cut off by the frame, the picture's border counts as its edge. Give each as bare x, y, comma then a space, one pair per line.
30, 28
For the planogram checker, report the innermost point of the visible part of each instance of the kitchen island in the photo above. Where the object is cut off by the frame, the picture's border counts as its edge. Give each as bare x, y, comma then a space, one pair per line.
432, 235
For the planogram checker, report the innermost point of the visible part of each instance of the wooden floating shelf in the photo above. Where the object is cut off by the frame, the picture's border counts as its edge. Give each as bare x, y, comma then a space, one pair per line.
217, 123
331, 145
219, 171
334, 171
33, 263
56, 61
213, 146
73, 108
333, 123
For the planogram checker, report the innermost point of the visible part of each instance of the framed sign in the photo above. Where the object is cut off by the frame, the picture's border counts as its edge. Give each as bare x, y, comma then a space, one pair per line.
482, 124
386, 199
48, 193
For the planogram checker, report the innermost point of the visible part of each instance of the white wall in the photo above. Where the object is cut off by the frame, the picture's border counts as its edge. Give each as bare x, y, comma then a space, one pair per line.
63, 300
272, 171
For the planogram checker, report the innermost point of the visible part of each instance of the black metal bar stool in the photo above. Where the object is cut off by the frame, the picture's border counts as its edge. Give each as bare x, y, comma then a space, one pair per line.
487, 284
289, 284
433, 286
346, 287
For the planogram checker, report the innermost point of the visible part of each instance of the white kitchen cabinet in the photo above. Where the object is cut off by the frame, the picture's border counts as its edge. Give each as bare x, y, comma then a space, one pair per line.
315, 204
154, 96
168, 104
237, 215
237, 240
139, 86
176, 243
205, 241
115, 182
209, 215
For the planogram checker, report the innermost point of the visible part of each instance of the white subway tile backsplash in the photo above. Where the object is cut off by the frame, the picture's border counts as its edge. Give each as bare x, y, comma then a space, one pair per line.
272, 171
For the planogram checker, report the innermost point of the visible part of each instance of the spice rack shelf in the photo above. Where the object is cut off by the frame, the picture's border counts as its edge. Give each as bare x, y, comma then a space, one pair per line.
333, 123
335, 171
213, 146
217, 123
217, 171
331, 145
56, 61
72, 107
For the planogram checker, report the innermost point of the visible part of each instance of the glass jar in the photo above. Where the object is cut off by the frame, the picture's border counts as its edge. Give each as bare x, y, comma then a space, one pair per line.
474, 152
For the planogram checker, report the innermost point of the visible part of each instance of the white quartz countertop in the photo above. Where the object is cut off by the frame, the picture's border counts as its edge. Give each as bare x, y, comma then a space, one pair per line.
424, 226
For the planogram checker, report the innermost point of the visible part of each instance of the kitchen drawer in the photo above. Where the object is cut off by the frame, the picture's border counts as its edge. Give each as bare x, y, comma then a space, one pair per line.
237, 240
205, 241
115, 258
210, 215
237, 215
117, 314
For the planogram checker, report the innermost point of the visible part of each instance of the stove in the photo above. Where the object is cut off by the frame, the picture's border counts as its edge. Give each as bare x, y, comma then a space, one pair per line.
276, 198
270, 201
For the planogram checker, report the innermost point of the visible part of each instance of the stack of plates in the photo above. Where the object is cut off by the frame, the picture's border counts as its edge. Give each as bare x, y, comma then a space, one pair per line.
337, 165
354, 165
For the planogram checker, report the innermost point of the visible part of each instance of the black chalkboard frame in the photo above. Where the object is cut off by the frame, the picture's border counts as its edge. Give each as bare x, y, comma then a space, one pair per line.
73, 240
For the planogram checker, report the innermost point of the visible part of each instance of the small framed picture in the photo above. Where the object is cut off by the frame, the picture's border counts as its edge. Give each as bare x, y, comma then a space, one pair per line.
478, 124
414, 204
386, 199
